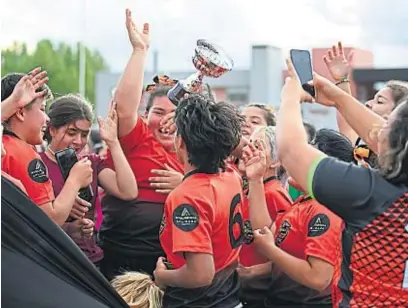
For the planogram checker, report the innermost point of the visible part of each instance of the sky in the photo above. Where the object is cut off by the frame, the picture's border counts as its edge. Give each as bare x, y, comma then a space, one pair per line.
379, 25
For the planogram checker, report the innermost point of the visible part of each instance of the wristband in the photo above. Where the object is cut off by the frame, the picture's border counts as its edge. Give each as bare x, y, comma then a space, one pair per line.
342, 80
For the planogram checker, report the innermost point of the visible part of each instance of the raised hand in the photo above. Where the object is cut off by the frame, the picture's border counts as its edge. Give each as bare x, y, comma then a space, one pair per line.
25, 90
337, 63
254, 159
139, 40
108, 129
292, 89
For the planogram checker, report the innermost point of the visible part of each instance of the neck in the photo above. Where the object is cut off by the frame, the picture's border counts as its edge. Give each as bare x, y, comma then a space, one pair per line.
18, 131
50, 153
188, 168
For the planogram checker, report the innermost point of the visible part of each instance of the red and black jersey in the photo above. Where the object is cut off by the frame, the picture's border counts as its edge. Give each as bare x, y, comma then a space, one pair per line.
375, 239
307, 229
23, 163
204, 215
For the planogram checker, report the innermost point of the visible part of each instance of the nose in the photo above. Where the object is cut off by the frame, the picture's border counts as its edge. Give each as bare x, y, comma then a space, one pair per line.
77, 139
369, 104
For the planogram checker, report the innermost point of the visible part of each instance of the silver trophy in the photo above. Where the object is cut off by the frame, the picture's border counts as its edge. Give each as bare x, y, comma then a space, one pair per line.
209, 60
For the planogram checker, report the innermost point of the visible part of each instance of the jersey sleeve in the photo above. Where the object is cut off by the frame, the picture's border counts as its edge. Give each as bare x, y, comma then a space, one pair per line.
352, 192
31, 171
277, 202
192, 218
322, 229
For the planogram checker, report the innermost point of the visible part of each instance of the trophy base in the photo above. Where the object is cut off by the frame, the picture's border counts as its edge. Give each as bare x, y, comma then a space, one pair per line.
177, 93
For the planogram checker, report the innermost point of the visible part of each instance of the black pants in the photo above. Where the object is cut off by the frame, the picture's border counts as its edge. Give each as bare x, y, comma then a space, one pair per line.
115, 263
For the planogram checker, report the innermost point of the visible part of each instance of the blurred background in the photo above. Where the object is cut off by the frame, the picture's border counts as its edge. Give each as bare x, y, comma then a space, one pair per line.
83, 44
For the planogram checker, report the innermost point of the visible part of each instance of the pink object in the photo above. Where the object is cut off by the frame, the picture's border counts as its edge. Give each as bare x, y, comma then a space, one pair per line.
98, 208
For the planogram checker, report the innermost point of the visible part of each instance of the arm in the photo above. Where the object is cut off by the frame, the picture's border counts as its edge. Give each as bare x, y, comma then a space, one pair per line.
59, 209
258, 210
258, 270
129, 90
296, 157
120, 183
361, 119
198, 272
344, 127
313, 273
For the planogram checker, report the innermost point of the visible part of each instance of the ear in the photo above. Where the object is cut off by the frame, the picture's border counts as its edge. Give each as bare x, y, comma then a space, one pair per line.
53, 131
20, 114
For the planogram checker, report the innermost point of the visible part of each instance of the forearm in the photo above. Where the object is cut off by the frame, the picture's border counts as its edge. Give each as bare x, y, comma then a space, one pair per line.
181, 278
125, 179
63, 203
344, 127
130, 87
299, 270
361, 119
258, 210
261, 269
8, 108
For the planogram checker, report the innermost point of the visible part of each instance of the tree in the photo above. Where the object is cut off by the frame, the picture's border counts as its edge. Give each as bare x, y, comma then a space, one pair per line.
61, 61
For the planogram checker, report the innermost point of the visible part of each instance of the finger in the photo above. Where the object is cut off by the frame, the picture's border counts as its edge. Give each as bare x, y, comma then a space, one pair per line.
163, 191
330, 54
169, 168
100, 122
266, 230
160, 185
84, 160
24, 79
76, 214
34, 71
38, 77
291, 68
40, 84
146, 28
261, 146
257, 233
326, 60
164, 173
334, 50
186, 95
252, 148
340, 48
82, 202
350, 56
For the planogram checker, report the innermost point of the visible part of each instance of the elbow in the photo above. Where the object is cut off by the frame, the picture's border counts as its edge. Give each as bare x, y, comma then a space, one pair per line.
129, 195
203, 278
320, 284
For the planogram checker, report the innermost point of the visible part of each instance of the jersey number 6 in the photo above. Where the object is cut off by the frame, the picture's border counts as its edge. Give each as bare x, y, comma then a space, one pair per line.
236, 221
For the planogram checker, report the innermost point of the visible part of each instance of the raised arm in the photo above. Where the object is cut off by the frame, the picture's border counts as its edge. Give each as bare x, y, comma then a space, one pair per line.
128, 93
339, 67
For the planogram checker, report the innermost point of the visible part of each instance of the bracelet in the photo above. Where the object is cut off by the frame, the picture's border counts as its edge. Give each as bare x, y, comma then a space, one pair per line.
343, 80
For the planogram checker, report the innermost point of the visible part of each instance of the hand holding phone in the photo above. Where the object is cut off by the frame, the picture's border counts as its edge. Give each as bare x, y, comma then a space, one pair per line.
302, 62
80, 170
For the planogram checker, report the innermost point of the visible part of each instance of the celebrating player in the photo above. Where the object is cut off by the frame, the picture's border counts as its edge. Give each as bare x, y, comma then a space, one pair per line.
202, 228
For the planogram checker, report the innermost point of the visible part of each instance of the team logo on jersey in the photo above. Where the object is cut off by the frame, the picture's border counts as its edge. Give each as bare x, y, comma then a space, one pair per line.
37, 171
319, 224
283, 232
185, 217
162, 224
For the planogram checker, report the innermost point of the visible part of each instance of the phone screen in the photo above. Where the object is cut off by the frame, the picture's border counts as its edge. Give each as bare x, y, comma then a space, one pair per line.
303, 64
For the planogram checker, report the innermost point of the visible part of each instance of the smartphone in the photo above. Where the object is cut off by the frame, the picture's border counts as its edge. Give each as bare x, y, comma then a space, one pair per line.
302, 62
66, 159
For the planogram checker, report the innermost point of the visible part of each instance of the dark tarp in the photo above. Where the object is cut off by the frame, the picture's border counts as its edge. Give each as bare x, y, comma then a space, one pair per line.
40, 265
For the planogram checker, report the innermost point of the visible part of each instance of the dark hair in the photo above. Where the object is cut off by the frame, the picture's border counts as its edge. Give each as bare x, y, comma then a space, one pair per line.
159, 91
269, 116
210, 131
9, 82
399, 90
310, 130
68, 109
334, 144
394, 163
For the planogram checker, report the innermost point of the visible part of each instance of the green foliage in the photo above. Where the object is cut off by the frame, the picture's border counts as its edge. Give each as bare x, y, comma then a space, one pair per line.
60, 61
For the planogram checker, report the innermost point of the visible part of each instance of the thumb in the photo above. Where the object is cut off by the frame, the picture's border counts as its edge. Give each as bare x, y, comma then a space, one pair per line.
266, 230
100, 121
